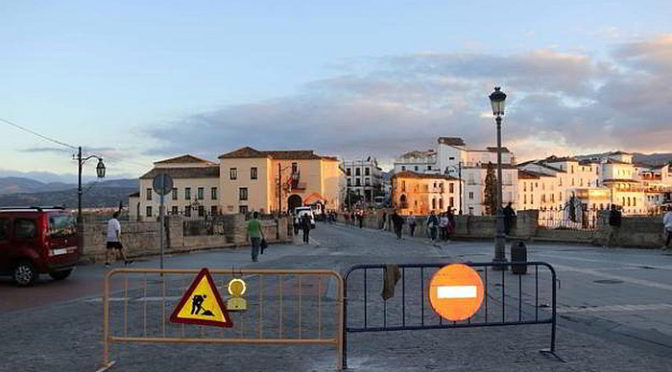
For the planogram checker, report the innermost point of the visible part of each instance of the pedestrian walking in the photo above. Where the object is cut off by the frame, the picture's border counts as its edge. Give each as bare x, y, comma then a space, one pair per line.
667, 226
361, 218
254, 234
451, 222
382, 221
352, 218
411, 223
305, 225
443, 226
432, 225
114, 245
614, 225
509, 213
398, 223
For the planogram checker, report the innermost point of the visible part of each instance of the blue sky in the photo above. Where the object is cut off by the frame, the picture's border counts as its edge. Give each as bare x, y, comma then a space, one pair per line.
137, 81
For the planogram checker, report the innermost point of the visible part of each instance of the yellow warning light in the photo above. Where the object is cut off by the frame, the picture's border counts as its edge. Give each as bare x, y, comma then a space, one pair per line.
237, 288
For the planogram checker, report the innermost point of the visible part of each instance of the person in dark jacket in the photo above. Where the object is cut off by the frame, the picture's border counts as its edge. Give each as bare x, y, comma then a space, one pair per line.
432, 225
614, 225
305, 225
508, 218
398, 223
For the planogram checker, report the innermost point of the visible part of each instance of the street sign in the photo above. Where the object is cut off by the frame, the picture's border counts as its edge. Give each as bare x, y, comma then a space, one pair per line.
201, 304
456, 292
163, 184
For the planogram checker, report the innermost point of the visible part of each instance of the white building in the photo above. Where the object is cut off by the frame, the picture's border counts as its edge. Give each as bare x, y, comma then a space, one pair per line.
364, 178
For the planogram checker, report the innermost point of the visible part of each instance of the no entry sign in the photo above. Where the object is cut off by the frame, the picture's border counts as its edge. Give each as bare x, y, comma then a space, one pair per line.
456, 292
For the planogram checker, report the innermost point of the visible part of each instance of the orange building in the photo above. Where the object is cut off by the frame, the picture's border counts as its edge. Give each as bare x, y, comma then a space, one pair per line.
422, 193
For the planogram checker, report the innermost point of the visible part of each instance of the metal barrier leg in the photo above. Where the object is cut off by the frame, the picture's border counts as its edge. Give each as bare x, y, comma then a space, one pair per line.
107, 364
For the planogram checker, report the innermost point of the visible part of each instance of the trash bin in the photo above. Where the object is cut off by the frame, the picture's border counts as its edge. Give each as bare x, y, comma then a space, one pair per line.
518, 254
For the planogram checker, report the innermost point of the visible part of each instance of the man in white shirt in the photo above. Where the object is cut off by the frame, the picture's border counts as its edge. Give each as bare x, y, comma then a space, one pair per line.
667, 225
114, 245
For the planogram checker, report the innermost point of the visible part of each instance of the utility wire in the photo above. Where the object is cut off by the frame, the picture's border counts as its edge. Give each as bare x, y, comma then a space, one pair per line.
37, 134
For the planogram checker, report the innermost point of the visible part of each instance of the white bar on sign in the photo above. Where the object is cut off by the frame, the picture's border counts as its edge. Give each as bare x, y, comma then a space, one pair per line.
456, 291
58, 252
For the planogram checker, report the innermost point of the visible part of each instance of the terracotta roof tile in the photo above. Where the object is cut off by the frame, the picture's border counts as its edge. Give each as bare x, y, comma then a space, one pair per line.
249, 152
188, 158
451, 141
190, 172
410, 174
494, 149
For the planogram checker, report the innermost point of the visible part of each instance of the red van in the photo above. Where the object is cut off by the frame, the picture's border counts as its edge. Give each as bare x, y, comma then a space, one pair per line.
37, 240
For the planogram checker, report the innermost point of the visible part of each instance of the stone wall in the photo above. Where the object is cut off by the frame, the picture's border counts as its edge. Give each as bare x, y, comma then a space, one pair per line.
639, 232
143, 238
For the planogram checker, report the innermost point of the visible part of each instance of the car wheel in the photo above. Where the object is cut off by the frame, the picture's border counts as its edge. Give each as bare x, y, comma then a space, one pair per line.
24, 273
60, 275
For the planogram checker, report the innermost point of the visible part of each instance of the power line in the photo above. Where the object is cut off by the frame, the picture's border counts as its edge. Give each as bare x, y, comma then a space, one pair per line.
37, 134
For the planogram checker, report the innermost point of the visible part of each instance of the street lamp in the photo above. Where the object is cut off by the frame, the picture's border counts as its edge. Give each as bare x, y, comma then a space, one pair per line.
497, 99
100, 172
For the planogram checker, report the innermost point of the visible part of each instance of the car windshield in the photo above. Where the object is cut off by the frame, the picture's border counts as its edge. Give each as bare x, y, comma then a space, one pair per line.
62, 226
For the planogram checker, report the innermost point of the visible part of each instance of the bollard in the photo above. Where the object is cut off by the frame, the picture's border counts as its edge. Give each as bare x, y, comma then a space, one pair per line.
518, 254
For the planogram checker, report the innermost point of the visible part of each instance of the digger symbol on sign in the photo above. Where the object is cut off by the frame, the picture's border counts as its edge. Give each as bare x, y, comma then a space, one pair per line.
197, 306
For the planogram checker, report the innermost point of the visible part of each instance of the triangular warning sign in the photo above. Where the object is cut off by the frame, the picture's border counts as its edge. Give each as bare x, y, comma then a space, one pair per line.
202, 304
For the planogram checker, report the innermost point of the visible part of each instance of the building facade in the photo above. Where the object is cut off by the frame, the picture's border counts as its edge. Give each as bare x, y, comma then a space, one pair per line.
245, 180
420, 194
364, 178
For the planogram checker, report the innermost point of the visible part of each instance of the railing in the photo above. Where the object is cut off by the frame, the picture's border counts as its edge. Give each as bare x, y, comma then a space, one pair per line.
590, 219
293, 307
526, 303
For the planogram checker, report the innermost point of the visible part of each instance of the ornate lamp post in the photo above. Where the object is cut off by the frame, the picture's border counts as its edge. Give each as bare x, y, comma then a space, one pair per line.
100, 172
497, 99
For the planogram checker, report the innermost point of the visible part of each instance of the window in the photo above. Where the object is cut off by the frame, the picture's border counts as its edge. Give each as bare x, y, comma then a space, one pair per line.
416, 168
187, 193
25, 228
367, 171
433, 203
471, 195
441, 204
349, 182
213, 210
452, 202
174, 193
253, 173
187, 211
403, 186
634, 202
358, 171
242, 193
149, 194
524, 186
358, 182
201, 211
4, 229
367, 182
233, 173
61, 226
429, 167
242, 209
531, 198
213, 193
572, 169
174, 210
403, 168
451, 188
347, 171
149, 211
524, 198
560, 197
295, 167
199, 193
572, 181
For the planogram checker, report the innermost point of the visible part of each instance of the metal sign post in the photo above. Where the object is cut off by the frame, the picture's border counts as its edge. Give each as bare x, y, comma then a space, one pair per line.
163, 184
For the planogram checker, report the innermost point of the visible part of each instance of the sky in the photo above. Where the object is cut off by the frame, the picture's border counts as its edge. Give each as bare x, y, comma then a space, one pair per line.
139, 81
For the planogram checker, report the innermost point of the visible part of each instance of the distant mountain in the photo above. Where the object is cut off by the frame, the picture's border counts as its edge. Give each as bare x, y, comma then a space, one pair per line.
653, 159
95, 196
16, 185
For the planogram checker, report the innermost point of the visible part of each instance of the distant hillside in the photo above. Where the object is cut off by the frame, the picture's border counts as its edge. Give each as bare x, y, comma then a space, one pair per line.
97, 196
15, 185
653, 159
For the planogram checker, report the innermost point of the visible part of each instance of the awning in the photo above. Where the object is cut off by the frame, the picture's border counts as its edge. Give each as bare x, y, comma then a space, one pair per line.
314, 198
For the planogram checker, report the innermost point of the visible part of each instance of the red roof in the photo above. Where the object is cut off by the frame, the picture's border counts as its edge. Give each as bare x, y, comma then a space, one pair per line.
249, 152
410, 174
188, 158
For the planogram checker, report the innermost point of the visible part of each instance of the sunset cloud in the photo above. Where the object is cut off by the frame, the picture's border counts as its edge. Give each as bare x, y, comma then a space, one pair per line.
562, 103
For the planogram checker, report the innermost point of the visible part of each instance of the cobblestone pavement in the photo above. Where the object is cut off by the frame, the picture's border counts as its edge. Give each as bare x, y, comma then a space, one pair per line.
613, 307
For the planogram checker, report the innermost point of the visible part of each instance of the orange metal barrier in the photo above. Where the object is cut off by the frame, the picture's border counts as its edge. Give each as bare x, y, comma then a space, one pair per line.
277, 301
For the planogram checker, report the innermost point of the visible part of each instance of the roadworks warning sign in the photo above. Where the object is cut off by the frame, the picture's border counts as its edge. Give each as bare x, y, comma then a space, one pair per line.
201, 304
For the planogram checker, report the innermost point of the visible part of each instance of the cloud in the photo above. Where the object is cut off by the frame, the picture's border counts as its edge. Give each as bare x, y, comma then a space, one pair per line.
57, 150
558, 101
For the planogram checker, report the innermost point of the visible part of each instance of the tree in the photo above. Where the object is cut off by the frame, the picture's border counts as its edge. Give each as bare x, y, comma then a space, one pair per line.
490, 197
